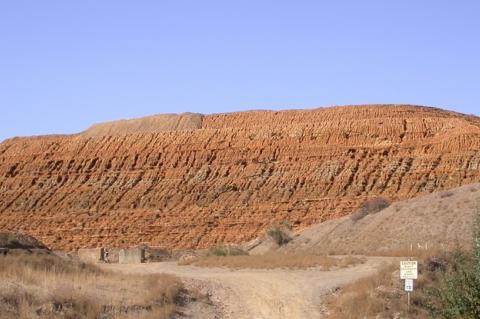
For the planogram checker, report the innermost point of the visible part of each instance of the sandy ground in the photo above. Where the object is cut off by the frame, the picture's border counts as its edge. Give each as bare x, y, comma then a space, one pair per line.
258, 294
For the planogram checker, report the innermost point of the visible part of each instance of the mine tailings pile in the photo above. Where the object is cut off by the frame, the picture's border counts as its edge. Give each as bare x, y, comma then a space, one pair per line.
192, 180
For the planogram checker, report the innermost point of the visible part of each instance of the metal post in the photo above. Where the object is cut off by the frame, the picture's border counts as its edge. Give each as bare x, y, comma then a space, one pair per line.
408, 302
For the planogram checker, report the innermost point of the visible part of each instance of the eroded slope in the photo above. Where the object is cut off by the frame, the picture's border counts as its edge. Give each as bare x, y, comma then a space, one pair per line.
232, 177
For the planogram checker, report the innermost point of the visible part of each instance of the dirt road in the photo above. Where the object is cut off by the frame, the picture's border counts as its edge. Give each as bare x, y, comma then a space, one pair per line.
258, 294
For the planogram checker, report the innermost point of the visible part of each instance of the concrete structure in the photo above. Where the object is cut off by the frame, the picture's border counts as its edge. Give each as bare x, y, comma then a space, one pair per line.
131, 256
91, 255
134, 255
111, 255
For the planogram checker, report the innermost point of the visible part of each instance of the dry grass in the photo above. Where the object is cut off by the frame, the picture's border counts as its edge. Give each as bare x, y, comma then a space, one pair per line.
428, 220
414, 252
225, 250
382, 296
46, 286
378, 296
272, 261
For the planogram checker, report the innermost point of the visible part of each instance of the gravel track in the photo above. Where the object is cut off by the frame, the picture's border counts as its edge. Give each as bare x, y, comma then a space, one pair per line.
258, 294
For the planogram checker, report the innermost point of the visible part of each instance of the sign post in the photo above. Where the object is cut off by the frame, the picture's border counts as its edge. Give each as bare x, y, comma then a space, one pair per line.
408, 289
409, 272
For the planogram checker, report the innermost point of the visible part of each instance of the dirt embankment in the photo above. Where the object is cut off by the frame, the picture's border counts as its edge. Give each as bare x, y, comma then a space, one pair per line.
20, 241
442, 220
230, 178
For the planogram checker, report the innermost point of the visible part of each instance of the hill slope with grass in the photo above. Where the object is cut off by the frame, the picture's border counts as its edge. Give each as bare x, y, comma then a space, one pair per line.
192, 181
437, 221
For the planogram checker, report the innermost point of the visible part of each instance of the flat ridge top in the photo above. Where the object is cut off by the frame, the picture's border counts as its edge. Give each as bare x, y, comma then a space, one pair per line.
148, 124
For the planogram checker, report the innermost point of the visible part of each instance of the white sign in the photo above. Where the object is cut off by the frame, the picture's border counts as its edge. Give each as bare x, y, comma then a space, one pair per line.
408, 269
408, 285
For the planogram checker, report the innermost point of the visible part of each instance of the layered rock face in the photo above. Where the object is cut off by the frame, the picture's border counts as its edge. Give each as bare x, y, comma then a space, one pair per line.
225, 178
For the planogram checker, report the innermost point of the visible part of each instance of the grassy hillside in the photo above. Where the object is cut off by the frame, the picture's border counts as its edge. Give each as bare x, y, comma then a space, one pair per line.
437, 221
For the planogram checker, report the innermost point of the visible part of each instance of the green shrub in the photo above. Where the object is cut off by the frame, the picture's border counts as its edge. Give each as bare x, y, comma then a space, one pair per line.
458, 295
279, 233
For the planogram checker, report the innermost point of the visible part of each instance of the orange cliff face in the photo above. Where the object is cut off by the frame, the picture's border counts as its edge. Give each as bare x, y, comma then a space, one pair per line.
194, 181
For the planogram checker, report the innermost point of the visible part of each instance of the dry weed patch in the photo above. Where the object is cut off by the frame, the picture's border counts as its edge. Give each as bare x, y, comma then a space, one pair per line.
378, 296
415, 252
46, 286
271, 261
382, 295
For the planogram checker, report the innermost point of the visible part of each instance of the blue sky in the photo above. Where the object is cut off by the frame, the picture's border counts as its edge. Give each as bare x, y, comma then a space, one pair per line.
67, 64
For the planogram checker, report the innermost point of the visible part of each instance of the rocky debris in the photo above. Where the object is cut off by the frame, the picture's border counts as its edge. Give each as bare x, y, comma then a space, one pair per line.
229, 177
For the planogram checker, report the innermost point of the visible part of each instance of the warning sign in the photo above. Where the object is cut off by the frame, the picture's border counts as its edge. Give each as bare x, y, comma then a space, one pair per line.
408, 269
408, 285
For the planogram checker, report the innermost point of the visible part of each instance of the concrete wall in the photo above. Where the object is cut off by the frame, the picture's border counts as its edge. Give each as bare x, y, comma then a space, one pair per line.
92, 255
123, 256
111, 255
131, 256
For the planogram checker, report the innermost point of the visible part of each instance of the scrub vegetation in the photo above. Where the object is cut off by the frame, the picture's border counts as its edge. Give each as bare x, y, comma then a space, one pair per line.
42, 285
448, 287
